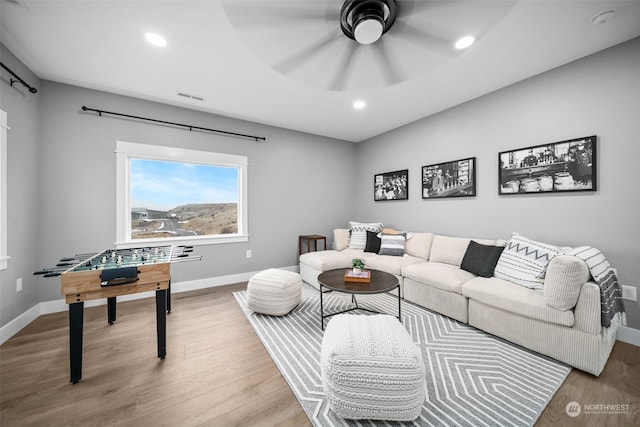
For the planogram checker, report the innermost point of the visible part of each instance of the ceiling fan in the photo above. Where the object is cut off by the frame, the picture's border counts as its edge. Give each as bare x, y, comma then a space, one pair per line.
366, 21
360, 44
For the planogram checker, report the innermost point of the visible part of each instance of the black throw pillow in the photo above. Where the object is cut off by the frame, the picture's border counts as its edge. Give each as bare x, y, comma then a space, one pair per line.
480, 259
373, 242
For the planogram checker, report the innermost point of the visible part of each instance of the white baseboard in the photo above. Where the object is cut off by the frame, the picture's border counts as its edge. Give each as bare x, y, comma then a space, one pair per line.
628, 335
56, 306
17, 324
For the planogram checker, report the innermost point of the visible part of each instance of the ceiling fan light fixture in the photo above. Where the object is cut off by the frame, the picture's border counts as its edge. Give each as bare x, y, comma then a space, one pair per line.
368, 31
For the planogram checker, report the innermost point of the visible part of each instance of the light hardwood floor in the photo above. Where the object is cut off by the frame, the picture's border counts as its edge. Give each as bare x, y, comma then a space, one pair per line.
216, 373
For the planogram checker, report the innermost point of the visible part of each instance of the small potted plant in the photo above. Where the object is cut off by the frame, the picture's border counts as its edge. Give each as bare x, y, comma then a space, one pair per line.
357, 264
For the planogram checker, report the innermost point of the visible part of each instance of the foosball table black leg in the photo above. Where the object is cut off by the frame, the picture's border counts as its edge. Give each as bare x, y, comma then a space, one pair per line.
111, 310
169, 298
76, 320
161, 322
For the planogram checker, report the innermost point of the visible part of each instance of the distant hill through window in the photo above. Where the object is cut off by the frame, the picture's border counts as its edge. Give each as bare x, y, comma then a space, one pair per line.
186, 220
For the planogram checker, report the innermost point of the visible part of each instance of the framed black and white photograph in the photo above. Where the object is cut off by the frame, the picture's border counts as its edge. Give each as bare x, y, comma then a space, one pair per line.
549, 168
391, 186
450, 179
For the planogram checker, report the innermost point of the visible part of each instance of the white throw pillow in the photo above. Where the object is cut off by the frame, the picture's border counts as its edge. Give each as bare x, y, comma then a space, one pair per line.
524, 261
358, 230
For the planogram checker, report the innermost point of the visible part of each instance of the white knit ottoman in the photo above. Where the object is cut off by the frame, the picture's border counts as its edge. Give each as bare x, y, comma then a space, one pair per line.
274, 292
371, 368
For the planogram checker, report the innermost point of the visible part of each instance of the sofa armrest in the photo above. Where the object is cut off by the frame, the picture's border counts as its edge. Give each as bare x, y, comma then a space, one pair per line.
587, 312
563, 282
340, 239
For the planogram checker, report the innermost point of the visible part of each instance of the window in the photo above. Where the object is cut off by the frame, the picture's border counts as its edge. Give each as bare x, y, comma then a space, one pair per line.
184, 196
3, 190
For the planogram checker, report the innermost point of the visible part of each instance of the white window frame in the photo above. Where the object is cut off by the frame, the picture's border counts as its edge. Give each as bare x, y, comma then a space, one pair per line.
127, 150
4, 258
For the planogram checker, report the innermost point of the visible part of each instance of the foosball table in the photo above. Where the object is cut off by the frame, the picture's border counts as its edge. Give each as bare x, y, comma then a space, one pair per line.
112, 273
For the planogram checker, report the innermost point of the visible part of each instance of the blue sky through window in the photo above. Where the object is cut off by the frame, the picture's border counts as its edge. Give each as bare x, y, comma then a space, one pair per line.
164, 185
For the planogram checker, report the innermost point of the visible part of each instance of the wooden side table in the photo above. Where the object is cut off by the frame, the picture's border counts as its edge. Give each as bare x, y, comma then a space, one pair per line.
311, 238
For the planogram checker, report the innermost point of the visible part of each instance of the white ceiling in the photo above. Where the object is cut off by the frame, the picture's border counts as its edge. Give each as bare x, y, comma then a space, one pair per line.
279, 62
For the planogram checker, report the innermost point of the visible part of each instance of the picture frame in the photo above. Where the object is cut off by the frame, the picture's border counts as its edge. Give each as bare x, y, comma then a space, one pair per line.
449, 179
558, 167
391, 186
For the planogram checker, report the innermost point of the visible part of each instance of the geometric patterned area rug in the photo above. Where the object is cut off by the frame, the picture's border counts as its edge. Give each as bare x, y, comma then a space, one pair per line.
473, 378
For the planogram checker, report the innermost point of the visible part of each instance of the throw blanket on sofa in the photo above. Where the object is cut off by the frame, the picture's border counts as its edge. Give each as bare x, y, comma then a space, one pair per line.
612, 309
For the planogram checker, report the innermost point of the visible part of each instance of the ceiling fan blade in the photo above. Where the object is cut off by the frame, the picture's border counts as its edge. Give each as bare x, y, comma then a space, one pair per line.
412, 7
260, 14
422, 37
344, 68
389, 72
294, 60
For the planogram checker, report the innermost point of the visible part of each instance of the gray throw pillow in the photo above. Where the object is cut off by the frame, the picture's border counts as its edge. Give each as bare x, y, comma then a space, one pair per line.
392, 244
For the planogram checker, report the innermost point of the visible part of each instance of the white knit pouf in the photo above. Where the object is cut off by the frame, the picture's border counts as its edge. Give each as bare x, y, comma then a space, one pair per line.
274, 292
372, 369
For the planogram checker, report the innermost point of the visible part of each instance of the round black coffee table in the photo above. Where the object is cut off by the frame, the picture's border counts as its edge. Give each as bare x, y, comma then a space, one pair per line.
333, 280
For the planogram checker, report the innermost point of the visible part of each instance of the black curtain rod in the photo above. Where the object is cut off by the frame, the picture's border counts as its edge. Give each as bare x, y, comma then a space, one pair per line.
19, 80
190, 127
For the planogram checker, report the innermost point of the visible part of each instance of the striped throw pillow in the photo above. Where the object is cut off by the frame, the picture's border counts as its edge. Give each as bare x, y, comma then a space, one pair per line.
524, 261
358, 231
392, 244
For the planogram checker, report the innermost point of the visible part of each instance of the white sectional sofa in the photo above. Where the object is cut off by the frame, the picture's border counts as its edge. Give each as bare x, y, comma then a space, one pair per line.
560, 319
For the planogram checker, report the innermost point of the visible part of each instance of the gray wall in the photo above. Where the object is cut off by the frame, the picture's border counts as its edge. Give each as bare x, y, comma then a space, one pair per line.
61, 183
298, 183
597, 95
22, 189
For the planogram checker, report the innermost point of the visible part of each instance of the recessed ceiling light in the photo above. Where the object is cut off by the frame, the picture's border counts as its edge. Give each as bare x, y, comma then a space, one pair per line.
359, 105
465, 42
155, 39
603, 17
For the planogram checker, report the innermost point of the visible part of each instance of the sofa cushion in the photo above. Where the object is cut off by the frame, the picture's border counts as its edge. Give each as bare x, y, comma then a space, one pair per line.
419, 245
373, 242
390, 264
340, 238
392, 244
481, 259
516, 299
331, 259
438, 275
524, 261
358, 230
451, 250
563, 281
